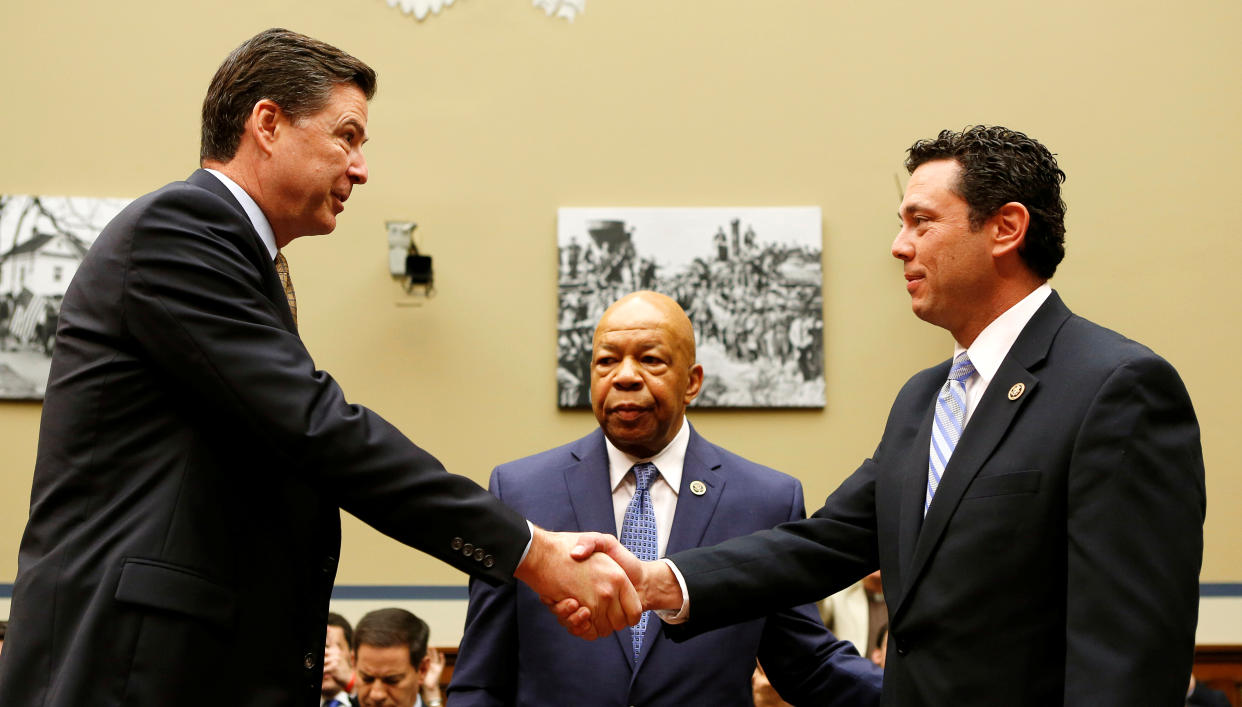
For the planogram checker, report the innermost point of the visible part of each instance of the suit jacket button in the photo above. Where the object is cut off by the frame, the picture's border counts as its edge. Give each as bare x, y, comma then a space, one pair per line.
456, 544
467, 549
309, 661
489, 561
478, 554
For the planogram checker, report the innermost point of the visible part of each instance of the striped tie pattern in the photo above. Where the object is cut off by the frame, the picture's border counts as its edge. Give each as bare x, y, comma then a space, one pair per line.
282, 270
947, 427
638, 534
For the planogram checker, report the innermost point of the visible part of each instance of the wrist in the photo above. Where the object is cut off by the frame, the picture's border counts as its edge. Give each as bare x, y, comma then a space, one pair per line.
660, 589
527, 570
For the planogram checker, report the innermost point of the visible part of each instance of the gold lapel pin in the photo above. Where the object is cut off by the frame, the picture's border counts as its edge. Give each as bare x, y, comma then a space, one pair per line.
1016, 391
698, 488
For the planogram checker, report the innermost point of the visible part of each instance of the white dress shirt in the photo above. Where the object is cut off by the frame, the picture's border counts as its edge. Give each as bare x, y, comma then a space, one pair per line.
251, 207
993, 343
986, 352
664, 487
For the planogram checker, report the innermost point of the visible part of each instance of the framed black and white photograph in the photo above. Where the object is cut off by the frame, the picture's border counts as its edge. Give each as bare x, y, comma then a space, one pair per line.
42, 241
750, 279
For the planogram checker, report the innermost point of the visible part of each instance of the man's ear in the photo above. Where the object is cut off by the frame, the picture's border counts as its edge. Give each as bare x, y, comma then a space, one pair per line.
1011, 222
264, 124
423, 666
696, 383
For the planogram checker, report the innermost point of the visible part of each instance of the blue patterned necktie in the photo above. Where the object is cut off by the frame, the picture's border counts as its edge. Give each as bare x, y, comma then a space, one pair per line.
950, 419
638, 534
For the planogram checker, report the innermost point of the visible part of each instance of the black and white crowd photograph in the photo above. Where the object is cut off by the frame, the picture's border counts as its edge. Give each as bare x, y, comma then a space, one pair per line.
750, 279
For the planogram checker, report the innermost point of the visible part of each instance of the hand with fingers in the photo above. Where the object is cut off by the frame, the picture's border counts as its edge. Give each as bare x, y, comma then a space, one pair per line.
654, 582
594, 581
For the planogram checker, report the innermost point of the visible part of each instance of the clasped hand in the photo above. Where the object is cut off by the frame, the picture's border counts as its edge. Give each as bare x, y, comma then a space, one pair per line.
593, 584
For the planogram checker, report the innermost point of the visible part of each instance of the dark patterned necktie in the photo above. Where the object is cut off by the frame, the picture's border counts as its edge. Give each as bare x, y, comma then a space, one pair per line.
282, 270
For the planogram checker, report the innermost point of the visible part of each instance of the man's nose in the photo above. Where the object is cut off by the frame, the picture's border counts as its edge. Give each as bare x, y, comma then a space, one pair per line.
627, 376
357, 171
902, 248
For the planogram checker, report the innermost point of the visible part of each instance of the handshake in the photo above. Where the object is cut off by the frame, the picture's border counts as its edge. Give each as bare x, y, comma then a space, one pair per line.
593, 584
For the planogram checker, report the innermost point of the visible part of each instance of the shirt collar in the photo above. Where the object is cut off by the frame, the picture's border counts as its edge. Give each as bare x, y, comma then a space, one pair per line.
669, 460
993, 343
251, 207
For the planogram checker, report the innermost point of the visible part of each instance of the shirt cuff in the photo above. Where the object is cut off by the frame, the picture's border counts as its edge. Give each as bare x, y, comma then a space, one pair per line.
669, 616
531, 527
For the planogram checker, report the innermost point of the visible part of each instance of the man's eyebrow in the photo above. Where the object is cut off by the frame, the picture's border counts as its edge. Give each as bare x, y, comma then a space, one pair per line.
357, 125
910, 208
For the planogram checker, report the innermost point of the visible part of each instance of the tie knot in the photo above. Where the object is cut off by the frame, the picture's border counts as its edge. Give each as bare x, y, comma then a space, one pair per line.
962, 368
644, 473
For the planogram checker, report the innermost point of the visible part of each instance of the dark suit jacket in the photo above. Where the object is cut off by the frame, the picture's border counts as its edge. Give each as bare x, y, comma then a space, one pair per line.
1059, 561
513, 651
183, 523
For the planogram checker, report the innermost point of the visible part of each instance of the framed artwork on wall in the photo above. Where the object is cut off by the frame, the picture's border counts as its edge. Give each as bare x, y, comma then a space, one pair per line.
42, 241
750, 279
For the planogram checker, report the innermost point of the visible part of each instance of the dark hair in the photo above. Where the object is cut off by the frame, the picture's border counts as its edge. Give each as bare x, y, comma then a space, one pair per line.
879, 637
383, 628
4, 626
297, 72
342, 623
1000, 165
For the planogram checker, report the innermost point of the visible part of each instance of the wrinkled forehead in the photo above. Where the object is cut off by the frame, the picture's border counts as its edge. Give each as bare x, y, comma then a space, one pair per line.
652, 332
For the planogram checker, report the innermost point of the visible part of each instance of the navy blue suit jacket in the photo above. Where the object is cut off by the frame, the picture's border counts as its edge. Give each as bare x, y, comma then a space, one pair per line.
513, 651
1059, 561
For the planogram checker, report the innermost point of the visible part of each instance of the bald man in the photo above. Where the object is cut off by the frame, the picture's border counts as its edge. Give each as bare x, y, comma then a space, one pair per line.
646, 476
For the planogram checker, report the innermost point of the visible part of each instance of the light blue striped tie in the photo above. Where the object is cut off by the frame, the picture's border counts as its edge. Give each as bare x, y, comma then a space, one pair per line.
638, 534
947, 427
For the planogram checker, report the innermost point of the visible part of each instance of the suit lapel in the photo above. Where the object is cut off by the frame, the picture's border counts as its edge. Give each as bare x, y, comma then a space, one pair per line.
914, 490
257, 253
988, 425
590, 495
695, 512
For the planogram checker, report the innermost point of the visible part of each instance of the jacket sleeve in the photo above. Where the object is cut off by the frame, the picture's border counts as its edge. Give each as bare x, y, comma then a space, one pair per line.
485, 674
794, 563
196, 307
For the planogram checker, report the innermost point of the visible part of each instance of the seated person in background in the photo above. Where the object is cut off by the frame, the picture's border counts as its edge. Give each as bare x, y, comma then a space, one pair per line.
4, 625
649, 476
1199, 695
393, 662
879, 652
338, 668
856, 613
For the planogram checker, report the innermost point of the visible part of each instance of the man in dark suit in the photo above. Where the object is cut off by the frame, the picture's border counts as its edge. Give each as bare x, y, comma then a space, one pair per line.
184, 515
643, 375
1048, 556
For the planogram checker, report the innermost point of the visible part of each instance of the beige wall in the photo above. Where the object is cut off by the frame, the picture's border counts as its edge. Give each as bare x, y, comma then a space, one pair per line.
491, 115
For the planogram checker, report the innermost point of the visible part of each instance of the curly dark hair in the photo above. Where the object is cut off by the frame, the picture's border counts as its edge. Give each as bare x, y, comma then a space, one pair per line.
1000, 165
297, 72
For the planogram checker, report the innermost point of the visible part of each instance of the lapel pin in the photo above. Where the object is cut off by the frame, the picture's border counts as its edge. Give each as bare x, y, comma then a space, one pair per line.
698, 488
1016, 391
